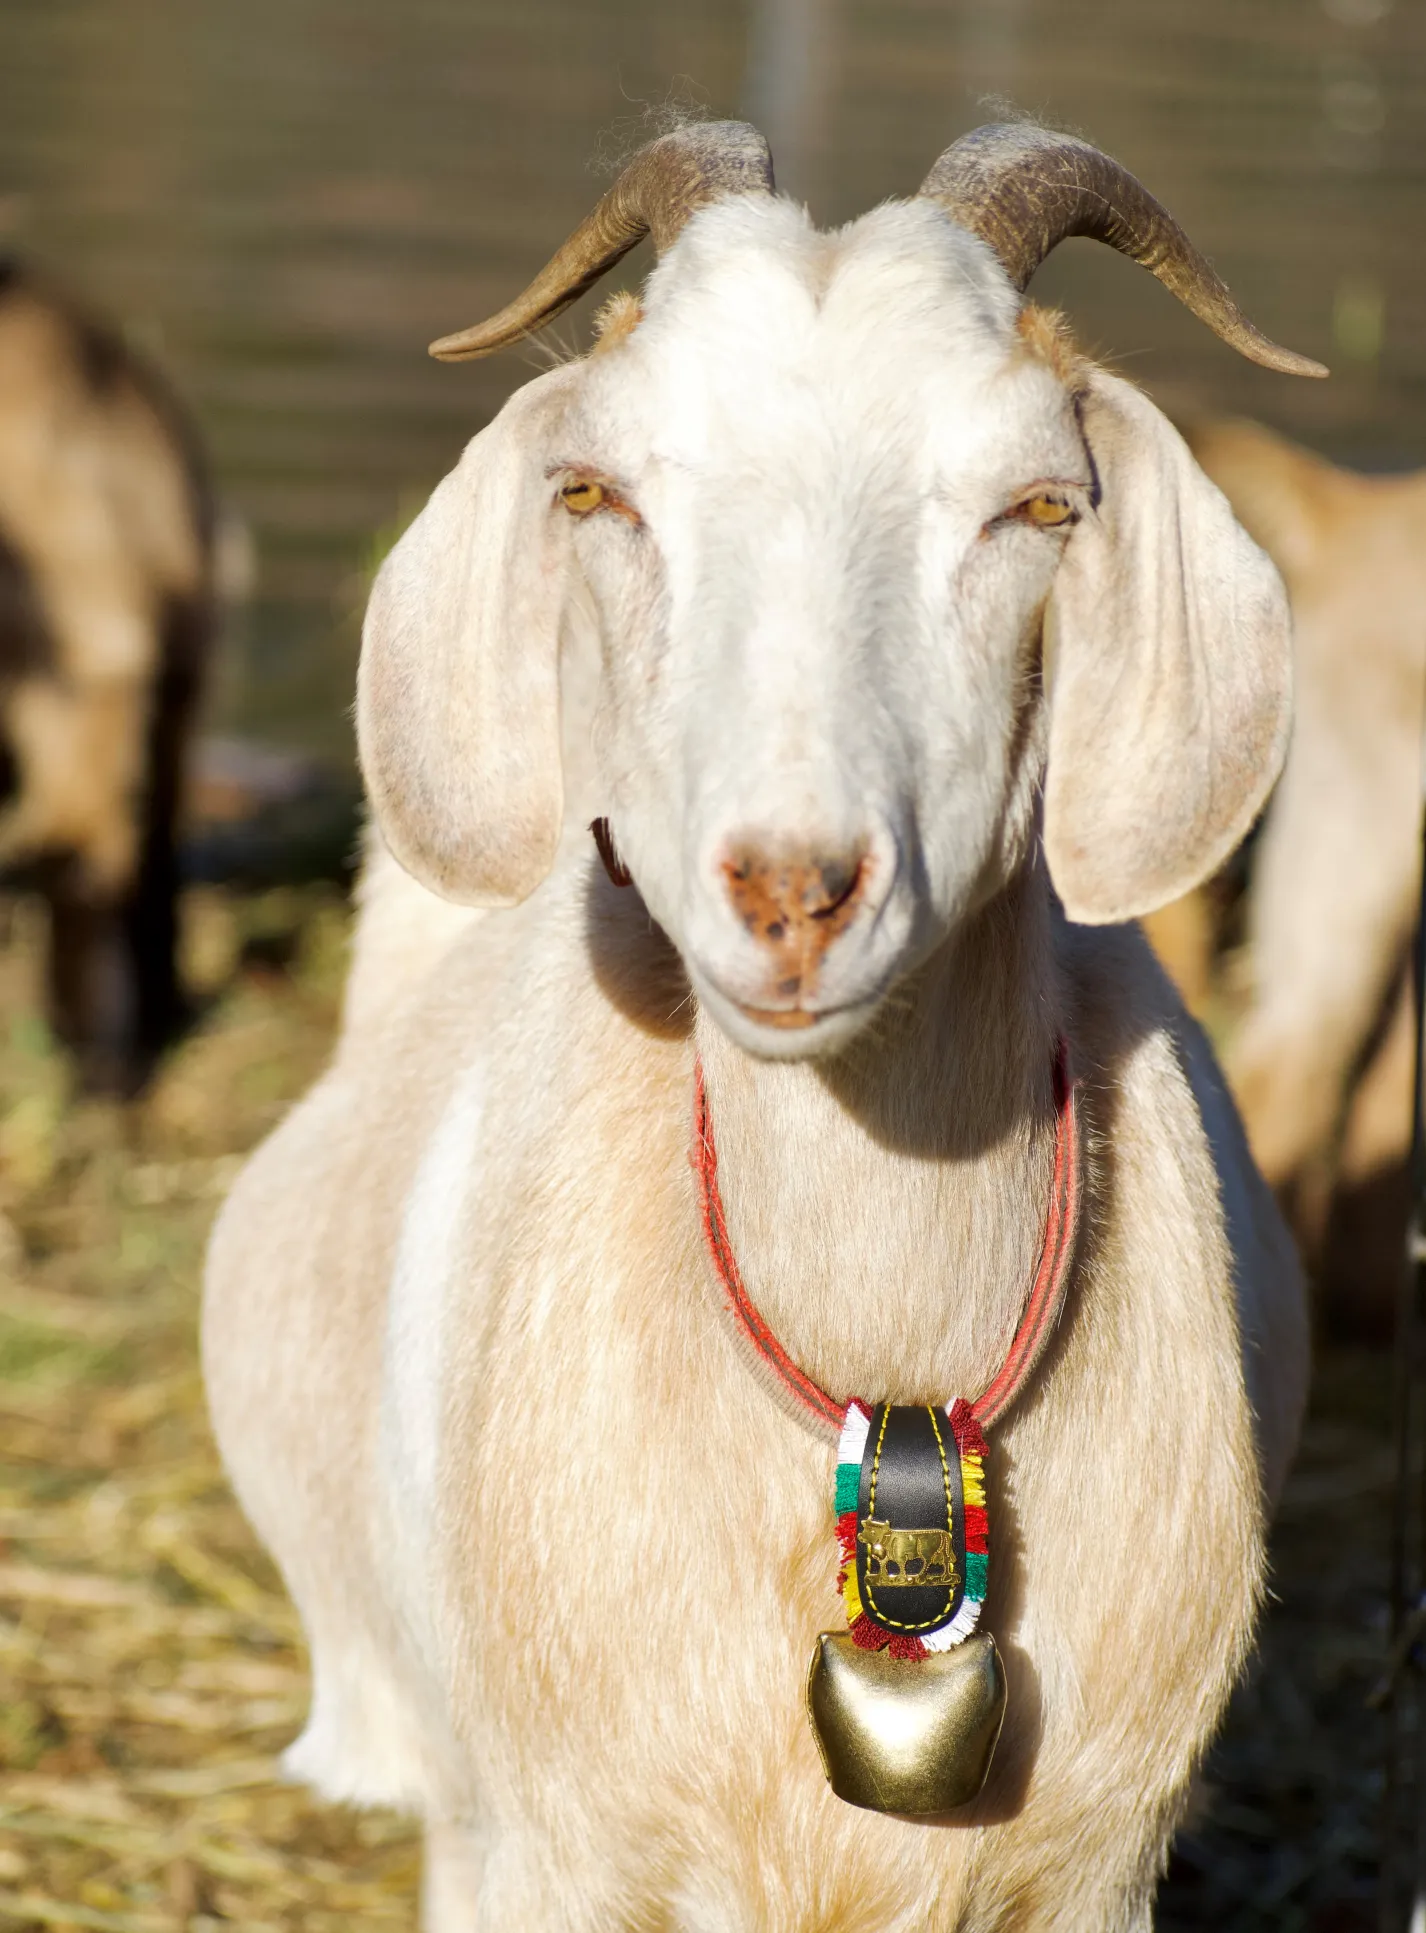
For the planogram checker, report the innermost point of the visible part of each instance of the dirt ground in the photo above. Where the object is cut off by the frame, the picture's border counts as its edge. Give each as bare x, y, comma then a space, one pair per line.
150, 1667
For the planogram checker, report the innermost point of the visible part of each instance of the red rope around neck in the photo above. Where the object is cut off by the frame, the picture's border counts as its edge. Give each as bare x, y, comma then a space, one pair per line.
1042, 1306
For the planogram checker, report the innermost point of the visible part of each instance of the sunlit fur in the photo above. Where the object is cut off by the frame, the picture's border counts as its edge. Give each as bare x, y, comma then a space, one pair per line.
561, 1559
107, 582
1336, 879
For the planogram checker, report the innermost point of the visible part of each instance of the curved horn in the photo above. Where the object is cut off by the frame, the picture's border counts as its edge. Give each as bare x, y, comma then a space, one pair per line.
1025, 189
663, 185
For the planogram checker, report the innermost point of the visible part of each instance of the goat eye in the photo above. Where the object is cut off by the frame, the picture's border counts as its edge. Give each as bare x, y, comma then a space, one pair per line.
583, 496
1044, 511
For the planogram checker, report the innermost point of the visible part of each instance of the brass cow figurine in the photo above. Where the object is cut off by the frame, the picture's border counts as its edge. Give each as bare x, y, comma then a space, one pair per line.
892, 1554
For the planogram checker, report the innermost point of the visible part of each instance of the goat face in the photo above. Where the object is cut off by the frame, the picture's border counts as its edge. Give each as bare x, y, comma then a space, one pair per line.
824, 504
818, 595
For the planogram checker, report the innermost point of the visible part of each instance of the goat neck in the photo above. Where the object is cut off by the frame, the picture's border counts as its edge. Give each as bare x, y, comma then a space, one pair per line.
887, 1206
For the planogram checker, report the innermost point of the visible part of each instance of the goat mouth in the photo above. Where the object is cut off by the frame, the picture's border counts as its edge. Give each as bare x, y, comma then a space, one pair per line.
787, 1033
795, 1029
783, 1018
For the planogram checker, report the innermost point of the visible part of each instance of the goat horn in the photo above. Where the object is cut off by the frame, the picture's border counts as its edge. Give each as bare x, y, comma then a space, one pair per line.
1025, 189
663, 185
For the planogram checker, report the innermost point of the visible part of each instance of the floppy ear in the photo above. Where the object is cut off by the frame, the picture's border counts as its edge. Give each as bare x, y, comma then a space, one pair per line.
1168, 646
458, 690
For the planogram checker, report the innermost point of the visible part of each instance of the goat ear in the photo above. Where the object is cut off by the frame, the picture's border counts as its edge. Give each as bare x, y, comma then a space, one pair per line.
1168, 648
458, 691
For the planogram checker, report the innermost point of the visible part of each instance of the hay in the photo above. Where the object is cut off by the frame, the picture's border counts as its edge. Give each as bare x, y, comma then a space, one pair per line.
151, 1667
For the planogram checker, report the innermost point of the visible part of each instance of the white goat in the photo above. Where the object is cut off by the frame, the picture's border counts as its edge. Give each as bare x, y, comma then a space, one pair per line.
560, 1557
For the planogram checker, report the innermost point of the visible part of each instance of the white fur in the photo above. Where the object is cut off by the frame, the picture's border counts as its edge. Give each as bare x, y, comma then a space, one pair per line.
417, 1347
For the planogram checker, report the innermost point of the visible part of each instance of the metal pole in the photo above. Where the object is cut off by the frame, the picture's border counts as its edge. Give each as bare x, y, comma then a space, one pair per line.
1402, 1885
790, 85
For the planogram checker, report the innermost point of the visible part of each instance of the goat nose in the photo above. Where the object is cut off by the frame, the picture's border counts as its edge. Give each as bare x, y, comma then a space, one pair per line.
795, 903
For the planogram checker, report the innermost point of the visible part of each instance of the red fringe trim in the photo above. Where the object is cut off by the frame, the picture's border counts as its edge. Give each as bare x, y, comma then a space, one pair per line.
847, 1533
977, 1529
969, 1440
868, 1636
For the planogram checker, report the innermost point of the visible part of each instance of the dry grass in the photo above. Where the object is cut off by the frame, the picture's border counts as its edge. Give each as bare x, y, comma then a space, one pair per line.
150, 1665
1287, 1839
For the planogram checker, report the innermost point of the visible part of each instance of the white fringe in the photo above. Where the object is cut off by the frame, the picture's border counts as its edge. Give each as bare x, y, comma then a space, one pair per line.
959, 1628
855, 1430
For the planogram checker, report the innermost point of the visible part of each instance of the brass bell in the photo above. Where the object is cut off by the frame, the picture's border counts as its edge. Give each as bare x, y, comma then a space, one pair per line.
898, 1735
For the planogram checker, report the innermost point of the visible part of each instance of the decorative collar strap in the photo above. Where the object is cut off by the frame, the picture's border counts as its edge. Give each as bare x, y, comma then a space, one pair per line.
1037, 1322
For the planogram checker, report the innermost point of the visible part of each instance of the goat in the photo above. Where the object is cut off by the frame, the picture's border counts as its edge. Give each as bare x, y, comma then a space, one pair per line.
813, 504
106, 607
1324, 1085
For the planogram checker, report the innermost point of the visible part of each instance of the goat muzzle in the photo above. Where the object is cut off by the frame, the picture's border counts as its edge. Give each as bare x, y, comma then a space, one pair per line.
794, 905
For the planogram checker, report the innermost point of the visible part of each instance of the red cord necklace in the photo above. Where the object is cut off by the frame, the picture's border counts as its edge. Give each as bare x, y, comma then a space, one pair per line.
913, 1530
907, 1704
913, 1588
1042, 1306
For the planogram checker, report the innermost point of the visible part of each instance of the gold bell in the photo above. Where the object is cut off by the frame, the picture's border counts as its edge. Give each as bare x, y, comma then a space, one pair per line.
902, 1736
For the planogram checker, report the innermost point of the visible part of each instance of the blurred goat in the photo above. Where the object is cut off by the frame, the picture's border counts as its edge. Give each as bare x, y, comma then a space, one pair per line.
1322, 1060
867, 555
106, 613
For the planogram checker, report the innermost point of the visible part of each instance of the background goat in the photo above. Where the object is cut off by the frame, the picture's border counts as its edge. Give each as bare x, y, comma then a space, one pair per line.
815, 509
1321, 1059
106, 608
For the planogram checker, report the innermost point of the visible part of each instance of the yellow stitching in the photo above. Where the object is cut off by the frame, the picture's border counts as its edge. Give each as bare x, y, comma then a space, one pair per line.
945, 1476
925, 1624
876, 1461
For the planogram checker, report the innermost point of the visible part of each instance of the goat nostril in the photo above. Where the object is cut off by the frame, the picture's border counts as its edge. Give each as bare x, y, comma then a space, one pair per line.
839, 881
